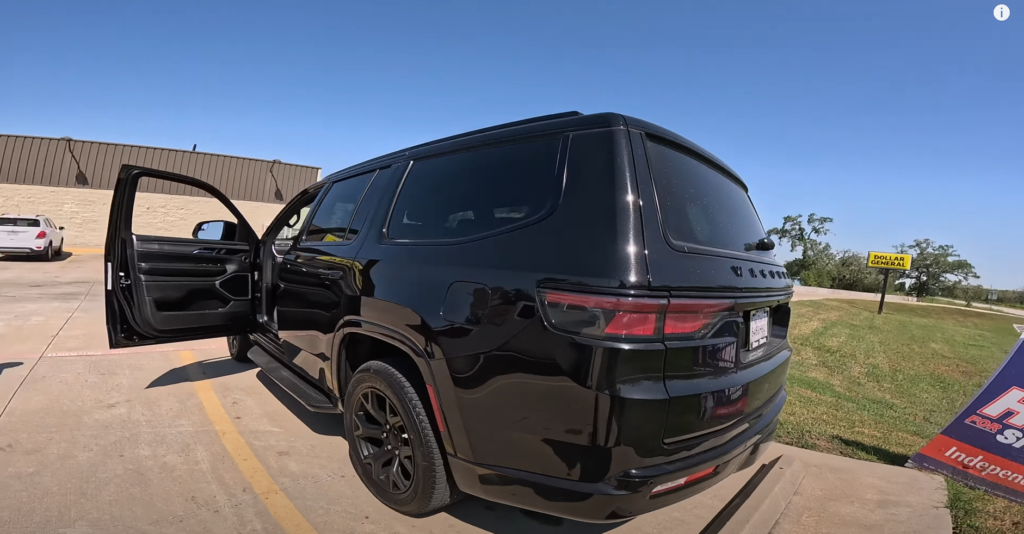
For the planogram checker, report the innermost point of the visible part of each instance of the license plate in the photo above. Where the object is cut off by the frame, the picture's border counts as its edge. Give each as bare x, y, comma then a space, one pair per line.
758, 334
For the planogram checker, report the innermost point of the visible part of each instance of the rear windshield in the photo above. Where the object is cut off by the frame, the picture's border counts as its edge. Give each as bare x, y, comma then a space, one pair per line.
24, 223
701, 206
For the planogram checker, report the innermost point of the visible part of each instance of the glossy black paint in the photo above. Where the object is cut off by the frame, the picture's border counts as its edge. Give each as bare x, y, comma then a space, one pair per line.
565, 425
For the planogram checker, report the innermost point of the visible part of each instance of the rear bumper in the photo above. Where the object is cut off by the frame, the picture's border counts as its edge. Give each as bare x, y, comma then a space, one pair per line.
625, 495
21, 251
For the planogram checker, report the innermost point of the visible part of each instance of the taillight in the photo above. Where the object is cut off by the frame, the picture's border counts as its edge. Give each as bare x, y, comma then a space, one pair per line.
631, 318
41, 234
695, 318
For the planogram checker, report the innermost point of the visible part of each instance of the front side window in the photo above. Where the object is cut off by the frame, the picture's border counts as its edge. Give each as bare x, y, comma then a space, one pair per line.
478, 192
701, 206
333, 218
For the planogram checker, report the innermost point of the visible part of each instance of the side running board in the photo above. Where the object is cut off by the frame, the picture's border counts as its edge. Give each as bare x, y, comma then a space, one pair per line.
303, 392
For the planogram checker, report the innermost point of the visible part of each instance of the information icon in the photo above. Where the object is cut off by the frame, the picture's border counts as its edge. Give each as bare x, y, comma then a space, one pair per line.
1001, 12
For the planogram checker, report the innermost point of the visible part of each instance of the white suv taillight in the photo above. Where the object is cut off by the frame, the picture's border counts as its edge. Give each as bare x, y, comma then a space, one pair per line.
631, 318
41, 234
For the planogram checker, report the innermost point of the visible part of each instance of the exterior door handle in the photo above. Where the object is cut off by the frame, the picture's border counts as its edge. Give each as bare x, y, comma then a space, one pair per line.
330, 275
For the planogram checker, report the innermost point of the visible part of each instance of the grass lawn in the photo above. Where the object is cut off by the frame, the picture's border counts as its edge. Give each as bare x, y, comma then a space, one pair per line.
878, 388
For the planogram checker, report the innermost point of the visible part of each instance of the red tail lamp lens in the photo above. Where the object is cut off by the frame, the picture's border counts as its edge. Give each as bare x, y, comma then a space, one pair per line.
694, 316
602, 316
41, 234
669, 486
622, 318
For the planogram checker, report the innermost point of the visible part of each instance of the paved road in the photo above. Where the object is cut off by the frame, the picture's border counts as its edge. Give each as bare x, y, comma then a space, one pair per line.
183, 439
187, 440
818, 293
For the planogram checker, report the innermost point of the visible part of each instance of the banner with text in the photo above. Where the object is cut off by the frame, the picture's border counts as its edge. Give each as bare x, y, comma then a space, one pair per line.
984, 445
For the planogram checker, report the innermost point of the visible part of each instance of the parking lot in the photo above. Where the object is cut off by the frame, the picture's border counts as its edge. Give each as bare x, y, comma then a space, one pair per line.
180, 438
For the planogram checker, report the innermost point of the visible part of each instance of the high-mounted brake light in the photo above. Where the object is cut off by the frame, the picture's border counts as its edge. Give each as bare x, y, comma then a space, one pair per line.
41, 234
630, 318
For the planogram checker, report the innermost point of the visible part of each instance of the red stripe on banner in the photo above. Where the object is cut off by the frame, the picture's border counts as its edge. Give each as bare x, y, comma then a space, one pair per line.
976, 461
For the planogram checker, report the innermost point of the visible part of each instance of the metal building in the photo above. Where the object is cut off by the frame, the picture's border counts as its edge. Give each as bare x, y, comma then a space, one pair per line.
65, 162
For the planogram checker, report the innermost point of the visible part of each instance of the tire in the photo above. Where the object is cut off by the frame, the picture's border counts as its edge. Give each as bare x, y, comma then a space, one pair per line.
48, 253
427, 487
60, 249
238, 348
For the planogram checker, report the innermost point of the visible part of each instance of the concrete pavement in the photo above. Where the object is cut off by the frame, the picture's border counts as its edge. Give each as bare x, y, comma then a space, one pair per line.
182, 439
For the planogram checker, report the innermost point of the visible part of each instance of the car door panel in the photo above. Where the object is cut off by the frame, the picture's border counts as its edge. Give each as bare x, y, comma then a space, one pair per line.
164, 289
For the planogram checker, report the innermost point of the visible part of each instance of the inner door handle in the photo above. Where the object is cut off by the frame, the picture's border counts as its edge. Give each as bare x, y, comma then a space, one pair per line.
330, 275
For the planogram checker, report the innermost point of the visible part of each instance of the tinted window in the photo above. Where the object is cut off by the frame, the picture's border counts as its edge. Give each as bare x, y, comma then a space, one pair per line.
332, 218
24, 223
701, 206
472, 193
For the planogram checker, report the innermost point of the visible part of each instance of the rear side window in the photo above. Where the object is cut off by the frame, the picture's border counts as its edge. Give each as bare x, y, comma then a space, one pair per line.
23, 223
701, 206
333, 218
473, 193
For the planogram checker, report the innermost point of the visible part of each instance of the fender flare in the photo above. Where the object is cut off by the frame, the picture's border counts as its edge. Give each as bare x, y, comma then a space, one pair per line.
419, 355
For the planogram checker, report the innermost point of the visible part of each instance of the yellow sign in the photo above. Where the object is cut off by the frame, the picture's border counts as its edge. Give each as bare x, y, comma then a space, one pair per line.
889, 260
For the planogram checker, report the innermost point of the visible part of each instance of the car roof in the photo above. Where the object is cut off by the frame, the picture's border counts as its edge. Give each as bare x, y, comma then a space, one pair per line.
15, 215
560, 122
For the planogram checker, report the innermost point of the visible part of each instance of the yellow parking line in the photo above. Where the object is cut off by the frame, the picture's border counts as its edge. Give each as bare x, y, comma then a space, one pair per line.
76, 250
276, 501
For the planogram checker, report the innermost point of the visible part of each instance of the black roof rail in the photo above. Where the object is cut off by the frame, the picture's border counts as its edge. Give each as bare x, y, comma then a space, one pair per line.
513, 124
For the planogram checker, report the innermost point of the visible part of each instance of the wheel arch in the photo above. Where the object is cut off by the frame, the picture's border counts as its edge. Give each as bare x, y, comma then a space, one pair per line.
358, 341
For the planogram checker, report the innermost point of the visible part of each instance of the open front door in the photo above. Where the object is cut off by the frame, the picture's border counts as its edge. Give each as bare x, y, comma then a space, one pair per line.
179, 266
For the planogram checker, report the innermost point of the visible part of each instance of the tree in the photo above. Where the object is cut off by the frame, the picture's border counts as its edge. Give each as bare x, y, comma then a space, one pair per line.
852, 273
798, 235
935, 268
814, 267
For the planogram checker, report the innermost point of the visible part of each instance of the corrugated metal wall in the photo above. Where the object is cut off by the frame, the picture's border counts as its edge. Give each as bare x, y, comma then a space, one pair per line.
47, 161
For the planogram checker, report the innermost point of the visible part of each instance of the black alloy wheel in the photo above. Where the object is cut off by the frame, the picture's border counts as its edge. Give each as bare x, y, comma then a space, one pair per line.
382, 439
393, 444
238, 348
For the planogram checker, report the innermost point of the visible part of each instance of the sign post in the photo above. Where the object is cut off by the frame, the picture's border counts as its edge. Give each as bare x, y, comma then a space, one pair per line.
888, 262
885, 286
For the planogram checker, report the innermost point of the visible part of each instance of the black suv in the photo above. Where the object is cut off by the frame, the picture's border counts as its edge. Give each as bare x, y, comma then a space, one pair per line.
575, 314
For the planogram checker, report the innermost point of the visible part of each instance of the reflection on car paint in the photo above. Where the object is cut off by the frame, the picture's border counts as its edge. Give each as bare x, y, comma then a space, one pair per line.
355, 265
724, 404
715, 357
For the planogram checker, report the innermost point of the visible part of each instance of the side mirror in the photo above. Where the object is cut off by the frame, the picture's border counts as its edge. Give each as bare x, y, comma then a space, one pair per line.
765, 244
61, 228
215, 230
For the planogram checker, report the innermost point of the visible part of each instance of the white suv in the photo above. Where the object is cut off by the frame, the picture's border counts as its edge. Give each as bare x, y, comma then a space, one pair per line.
30, 235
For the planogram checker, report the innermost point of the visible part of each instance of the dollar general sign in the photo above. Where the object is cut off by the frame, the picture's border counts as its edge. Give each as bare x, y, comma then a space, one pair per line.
889, 260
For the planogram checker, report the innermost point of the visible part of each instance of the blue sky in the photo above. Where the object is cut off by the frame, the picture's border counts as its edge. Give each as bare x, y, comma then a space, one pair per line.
901, 120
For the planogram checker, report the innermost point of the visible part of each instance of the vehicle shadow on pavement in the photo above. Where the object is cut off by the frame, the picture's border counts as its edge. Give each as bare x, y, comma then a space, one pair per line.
325, 424
26, 259
9, 365
205, 369
503, 519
